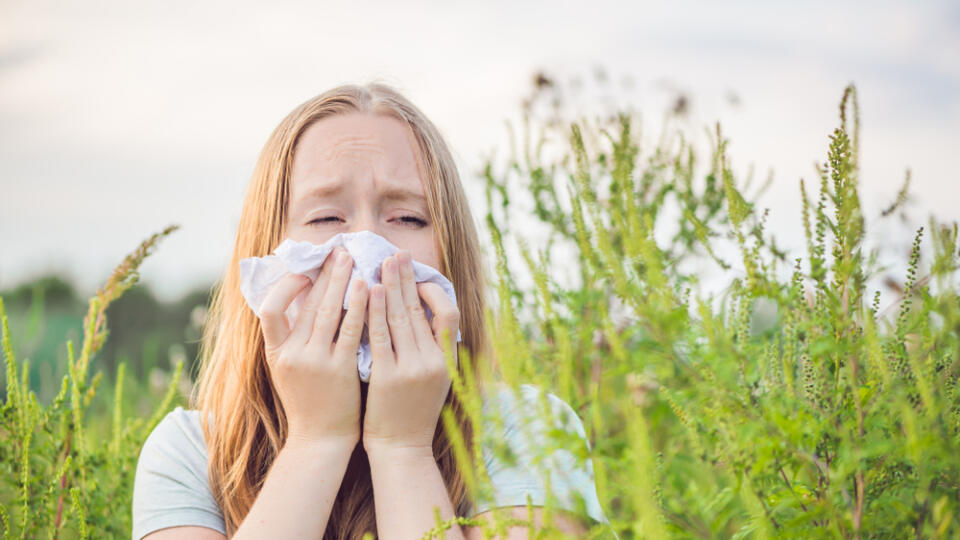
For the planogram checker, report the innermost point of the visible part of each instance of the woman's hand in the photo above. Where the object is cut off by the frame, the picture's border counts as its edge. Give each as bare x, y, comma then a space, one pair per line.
315, 376
408, 379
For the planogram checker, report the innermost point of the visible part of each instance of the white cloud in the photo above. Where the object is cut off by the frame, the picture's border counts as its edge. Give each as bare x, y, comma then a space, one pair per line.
163, 106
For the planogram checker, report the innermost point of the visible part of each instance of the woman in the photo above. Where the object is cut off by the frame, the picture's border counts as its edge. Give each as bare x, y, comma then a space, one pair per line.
295, 446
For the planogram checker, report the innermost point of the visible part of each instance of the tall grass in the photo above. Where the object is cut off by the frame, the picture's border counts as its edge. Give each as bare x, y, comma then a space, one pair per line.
56, 480
829, 417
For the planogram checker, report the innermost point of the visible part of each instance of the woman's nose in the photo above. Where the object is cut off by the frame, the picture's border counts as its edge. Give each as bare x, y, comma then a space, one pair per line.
365, 222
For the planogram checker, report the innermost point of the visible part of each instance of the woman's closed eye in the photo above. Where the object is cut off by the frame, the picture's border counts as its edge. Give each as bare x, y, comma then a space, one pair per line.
411, 221
326, 219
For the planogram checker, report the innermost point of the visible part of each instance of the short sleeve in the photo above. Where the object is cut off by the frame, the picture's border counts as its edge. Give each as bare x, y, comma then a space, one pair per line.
532, 452
171, 487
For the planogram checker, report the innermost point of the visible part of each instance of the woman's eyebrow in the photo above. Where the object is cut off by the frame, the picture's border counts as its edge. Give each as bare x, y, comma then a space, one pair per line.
325, 190
398, 193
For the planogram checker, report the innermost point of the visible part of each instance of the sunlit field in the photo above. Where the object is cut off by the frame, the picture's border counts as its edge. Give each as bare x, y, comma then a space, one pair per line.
793, 403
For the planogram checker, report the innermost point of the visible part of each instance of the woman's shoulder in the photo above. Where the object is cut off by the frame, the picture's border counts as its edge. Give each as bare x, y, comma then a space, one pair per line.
534, 445
171, 487
511, 408
179, 431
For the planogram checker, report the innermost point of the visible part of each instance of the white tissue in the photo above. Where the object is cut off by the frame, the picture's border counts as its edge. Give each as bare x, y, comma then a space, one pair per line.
368, 249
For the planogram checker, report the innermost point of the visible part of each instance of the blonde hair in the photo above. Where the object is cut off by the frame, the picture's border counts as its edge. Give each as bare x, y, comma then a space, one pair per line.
234, 387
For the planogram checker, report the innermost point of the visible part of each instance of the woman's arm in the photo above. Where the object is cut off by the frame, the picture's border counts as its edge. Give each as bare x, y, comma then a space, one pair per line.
406, 394
316, 379
408, 386
295, 500
298, 493
407, 485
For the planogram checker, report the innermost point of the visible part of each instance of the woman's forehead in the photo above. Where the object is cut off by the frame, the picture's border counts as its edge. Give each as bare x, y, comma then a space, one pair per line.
344, 140
354, 147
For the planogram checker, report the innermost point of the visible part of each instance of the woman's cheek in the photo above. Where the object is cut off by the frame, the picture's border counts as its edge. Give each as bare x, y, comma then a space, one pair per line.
422, 248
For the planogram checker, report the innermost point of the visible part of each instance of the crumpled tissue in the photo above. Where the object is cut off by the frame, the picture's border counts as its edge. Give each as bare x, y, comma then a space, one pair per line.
368, 249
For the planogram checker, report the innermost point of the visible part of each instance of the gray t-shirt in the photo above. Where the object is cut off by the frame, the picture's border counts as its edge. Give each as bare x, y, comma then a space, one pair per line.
171, 487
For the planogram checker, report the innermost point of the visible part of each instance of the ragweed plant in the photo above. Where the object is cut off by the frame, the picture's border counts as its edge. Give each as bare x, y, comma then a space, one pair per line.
56, 481
832, 419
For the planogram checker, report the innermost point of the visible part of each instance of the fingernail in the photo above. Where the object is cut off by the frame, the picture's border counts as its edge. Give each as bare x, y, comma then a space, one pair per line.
343, 258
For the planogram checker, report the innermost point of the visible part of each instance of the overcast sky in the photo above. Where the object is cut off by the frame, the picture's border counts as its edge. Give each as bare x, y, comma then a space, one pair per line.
118, 118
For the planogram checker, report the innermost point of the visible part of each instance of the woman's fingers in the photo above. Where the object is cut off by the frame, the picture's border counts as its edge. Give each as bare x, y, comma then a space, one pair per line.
331, 307
401, 331
381, 348
303, 327
415, 311
446, 316
348, 340
405, 397
272, 319
320, 396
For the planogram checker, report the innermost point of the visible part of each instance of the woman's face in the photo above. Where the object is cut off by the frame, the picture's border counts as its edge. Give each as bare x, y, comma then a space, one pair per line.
357, 172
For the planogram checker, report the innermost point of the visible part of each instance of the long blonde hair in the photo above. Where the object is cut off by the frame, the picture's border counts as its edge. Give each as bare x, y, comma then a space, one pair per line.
234, 387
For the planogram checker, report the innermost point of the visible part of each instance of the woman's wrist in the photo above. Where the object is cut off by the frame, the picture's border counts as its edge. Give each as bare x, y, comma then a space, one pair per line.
324, 445
408, 489
395, 452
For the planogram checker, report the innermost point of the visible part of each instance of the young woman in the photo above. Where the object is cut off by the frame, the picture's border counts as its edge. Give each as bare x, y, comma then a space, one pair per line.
295, 445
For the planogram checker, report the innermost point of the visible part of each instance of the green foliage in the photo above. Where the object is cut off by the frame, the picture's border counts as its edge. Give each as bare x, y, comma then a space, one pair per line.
704, 417
62, 475
828, 419
144, 332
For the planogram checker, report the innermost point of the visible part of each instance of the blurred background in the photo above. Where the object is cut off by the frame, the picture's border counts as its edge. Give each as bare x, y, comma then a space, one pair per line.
119, 118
